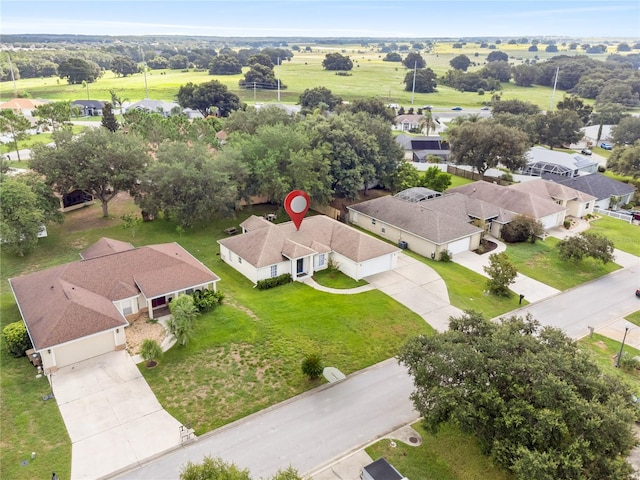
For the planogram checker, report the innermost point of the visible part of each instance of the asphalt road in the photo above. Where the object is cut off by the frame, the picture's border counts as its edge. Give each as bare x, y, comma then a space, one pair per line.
309, 431
593, 304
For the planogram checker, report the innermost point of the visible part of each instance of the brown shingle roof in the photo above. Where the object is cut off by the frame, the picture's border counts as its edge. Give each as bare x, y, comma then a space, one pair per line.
547, 189
317, 234
510, 199
73, 300
105, 246
419, 218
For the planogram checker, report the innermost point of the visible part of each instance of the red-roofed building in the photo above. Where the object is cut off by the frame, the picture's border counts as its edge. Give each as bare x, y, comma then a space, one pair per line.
79, 310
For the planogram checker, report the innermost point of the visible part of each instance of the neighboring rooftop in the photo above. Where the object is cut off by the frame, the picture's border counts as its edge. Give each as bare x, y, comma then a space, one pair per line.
595, 184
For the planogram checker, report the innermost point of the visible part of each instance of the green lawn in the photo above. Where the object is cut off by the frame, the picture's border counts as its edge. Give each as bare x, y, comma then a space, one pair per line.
334, 278
603, 351
624, 235
634, 318
447, 455
541, 262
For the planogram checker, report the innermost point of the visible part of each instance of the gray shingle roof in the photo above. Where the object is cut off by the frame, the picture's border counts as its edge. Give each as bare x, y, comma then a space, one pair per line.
422, 218
595, 184
546, 189
267, 246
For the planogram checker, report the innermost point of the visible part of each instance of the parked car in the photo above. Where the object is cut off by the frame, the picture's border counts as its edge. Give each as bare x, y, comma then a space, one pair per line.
606, 146
485, 108
585, 151
456, 108
638, 293
427, 107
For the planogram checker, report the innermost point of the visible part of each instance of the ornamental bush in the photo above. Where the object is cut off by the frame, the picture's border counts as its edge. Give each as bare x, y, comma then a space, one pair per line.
17, 339
312, 366
274, 282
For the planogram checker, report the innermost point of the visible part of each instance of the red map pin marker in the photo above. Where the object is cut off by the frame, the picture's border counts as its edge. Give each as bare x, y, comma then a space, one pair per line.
296, 204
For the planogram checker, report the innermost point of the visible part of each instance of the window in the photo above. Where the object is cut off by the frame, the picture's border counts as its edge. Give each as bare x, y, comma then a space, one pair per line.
321, 259
239, 260
587, 205
373, 221
126, 307
384, 230
274, 271
189, 291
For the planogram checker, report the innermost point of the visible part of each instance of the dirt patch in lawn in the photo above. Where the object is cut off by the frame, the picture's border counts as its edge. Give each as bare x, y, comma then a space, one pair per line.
141, 329
90, 217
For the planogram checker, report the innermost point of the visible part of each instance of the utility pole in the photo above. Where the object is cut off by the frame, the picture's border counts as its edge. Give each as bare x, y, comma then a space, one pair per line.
413, 89
144, 71
553, 94
13, 79
278, 79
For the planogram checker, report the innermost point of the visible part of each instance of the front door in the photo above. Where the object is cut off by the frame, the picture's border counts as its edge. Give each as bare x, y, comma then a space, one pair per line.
300, 266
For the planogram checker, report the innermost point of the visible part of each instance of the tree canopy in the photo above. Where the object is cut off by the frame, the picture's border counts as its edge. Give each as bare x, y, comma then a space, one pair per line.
337, 61
425, 81
99, 162
536, 402
485, 144
225, 65
77, 70
414, 60
123, 65
54, 116
312, 97
626, 160
586, 244
558, 128
26, 205
627, 131
14, 124
187, 184
460, 62
208, 97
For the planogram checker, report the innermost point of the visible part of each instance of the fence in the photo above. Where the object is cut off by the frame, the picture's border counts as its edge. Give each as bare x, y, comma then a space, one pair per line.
463, 172
620, 216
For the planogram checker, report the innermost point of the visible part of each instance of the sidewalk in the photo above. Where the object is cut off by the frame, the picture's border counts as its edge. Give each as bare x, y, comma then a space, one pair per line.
616, 331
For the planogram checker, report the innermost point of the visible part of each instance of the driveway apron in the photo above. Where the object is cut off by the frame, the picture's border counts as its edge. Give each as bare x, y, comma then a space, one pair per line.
113, 418
418, 287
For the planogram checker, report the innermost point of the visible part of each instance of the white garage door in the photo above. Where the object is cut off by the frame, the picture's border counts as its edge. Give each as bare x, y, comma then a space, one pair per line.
458, 246
86, 348
376, 265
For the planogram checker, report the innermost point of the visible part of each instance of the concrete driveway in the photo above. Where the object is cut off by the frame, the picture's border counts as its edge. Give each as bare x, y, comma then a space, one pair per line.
113, 418
418, 287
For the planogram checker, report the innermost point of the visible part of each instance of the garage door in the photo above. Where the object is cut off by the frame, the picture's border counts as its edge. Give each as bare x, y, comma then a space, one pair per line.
86, 348
458, 246
377, 265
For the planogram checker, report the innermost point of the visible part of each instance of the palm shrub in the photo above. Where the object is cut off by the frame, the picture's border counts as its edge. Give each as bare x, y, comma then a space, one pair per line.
150, 351
207, 300
312, 366
183, 315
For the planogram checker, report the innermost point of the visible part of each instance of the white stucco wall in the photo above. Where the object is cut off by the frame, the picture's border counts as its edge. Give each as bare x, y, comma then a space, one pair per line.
78, 350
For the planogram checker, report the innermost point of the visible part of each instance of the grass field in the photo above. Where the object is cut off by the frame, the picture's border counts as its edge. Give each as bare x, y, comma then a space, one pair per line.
370, 77
634, 318
624, 235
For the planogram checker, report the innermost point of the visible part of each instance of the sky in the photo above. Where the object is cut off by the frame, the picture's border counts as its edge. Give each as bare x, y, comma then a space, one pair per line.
326, 18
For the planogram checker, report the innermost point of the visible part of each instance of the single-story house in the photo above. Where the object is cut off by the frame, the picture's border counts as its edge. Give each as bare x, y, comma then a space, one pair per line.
429, 227
607, 191
408, 122
266, 250
577, 203
79, 310
156, 106
89, 108
417, 149
550, 213
541, 161
591, 133
25, 106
